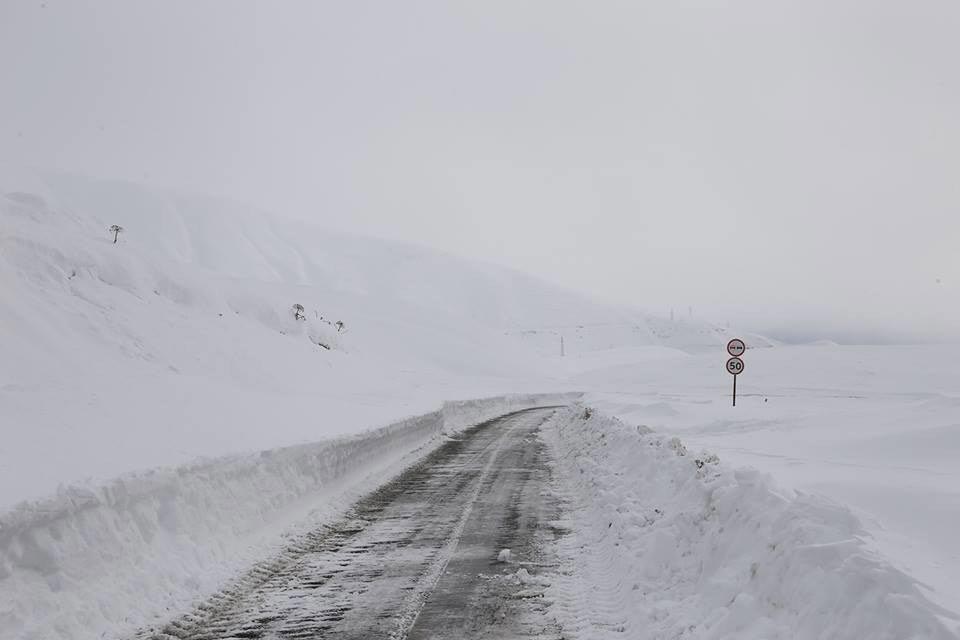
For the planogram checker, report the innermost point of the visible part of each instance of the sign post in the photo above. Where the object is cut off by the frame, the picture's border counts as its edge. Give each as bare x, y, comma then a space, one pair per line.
735, 348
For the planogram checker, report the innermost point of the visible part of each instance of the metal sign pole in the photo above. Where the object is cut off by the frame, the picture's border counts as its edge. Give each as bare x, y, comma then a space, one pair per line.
734, 390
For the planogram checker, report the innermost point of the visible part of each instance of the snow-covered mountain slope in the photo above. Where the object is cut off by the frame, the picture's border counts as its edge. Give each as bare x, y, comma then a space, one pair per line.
179, 340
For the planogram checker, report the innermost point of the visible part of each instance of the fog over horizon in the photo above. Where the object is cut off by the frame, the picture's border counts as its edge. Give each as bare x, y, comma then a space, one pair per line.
787, 167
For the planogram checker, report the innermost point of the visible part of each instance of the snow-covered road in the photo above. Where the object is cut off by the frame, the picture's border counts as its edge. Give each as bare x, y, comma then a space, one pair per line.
421, 557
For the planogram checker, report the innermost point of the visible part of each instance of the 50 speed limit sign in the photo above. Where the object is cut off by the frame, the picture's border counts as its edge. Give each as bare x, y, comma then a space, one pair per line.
735, 366
735, 348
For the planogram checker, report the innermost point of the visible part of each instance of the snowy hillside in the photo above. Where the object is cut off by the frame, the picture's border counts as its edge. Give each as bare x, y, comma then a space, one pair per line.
180, 340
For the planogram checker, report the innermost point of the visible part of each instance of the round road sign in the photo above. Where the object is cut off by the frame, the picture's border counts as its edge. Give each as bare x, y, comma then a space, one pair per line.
735, 366
736, 347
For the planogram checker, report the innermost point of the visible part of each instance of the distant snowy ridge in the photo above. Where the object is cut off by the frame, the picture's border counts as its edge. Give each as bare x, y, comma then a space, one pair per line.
639, 331
99, 561
195, 251
181, 340
666, 543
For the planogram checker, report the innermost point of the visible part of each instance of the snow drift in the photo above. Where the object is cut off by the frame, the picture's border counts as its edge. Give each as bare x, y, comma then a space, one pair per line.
668, 544
106, 560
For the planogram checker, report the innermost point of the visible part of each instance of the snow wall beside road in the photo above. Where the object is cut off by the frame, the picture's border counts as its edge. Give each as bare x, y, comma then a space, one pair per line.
667, 543
109, 559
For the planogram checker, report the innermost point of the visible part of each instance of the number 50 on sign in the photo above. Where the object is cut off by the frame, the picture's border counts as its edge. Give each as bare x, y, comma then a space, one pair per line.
735, 366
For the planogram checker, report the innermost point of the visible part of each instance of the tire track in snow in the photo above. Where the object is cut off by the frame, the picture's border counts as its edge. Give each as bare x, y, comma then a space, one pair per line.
429, 579
382, 571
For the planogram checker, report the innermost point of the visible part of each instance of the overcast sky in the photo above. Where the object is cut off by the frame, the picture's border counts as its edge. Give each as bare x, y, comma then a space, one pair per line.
786, 166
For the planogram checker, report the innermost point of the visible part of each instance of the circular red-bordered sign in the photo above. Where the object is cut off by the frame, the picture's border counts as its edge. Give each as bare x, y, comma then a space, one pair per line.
735, 366
736, 347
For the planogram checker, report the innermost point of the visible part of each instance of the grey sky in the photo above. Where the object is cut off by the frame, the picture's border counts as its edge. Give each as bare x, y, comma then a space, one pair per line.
775, 164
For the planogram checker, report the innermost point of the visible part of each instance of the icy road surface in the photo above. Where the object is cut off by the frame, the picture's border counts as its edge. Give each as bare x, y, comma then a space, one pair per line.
417, 558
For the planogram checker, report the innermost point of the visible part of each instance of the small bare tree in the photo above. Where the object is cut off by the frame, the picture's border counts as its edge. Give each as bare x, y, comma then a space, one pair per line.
339, 325
298, 312
115, 230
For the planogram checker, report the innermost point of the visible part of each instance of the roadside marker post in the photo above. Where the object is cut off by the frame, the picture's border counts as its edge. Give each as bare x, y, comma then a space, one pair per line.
735, 348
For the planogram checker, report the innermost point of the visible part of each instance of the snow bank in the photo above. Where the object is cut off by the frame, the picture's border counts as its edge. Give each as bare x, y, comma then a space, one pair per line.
850, 423
667, 544
106, 560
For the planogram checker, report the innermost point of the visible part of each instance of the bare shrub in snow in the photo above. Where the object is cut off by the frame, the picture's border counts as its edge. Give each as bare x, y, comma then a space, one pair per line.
115, 230
298, 312
339, 325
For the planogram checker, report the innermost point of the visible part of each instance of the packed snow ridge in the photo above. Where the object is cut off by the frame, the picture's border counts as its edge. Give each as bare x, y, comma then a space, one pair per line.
666, 543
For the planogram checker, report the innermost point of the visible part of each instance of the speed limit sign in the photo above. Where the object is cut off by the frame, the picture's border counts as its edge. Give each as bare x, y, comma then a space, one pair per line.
735, 366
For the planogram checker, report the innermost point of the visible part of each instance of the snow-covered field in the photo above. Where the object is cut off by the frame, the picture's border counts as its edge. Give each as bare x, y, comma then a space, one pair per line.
149, 387
875, 428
